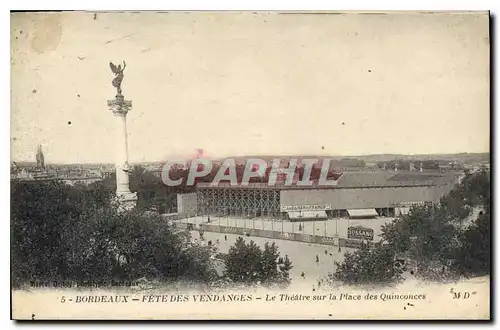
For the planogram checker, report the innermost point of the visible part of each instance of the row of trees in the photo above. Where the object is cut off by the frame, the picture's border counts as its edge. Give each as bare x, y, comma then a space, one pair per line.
60, 232
405, 165
434, 242
70, 233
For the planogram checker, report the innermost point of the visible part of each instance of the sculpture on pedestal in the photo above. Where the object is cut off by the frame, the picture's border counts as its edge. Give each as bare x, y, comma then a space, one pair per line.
118, 71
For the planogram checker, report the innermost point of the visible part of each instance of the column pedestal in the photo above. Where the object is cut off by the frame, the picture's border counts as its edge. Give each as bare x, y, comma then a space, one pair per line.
126, 199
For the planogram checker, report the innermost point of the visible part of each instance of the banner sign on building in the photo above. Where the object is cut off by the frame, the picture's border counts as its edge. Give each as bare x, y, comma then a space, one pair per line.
296, 208
355, 244
413, 203
359, 232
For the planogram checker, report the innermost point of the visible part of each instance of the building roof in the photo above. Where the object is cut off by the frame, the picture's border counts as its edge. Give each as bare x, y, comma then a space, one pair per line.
390, 179
357, 179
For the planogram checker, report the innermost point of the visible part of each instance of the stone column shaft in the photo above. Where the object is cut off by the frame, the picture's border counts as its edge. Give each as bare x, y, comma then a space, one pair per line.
125, 197
122, 168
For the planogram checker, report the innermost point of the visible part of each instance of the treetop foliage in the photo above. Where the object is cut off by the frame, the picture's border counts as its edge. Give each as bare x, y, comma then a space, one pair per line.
69, 233
248, 264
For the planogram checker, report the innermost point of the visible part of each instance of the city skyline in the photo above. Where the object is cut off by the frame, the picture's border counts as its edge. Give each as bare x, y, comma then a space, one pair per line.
395, 157
345, 85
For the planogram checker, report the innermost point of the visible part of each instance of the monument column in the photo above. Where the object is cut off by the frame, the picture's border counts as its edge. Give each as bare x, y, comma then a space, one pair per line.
120, 107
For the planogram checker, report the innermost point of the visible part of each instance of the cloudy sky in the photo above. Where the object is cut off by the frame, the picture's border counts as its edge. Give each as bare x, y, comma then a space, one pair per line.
250, 83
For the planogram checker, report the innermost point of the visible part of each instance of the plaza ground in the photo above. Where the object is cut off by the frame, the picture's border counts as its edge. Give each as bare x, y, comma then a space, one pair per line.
302, 255
331, 227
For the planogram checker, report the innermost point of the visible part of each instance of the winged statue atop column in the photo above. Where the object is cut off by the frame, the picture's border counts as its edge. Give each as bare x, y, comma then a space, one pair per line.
118, 71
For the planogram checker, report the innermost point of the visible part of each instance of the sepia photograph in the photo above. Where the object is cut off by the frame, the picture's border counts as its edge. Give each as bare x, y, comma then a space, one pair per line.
250, 165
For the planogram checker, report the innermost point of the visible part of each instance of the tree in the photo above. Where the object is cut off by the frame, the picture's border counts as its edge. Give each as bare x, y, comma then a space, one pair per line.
424, 234
284, 265
473, 256
476, 187
151, 190
366, 266
275, 269
472, 191
42, 217
243, 262
248, 264
433, 238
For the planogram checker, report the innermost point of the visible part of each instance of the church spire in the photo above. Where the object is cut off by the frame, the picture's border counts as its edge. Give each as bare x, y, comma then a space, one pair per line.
40, 161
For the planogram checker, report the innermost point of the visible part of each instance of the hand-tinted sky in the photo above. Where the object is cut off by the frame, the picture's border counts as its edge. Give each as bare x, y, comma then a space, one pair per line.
244, 83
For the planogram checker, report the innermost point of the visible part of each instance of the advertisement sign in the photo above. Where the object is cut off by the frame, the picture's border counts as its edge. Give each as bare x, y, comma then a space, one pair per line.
359, 232
419, 203
296, 208
355, 244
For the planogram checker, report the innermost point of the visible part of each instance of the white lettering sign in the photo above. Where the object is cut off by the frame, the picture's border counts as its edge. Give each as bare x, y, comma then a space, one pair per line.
292, 208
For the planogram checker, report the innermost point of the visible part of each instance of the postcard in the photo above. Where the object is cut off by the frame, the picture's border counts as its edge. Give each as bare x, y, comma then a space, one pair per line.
250, 165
